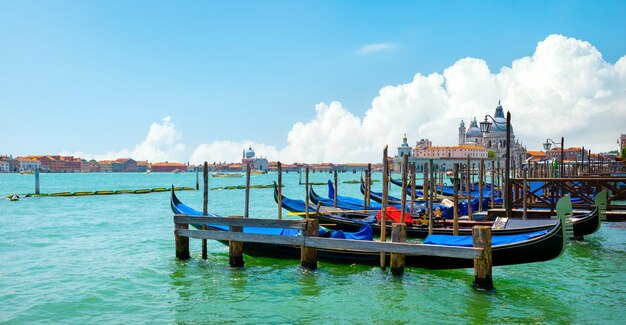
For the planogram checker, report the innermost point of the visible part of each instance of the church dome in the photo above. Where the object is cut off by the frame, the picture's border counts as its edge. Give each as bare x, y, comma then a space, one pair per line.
474, 131
500, 125
249, 153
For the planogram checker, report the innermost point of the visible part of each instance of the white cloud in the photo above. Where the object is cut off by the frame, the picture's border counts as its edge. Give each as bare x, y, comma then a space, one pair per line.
373, 48
161, 144
564, 89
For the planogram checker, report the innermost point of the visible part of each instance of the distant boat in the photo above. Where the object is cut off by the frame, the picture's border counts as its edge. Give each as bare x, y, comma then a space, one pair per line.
257, 172
176, 171
27, 172
226, 174
15, 197
148, 171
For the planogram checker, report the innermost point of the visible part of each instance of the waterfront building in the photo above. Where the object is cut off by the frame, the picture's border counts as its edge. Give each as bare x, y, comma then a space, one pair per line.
28, 164
622, 141
142, 166
168, 167
84, 166
13, 164
4, 166
472, 142
256, 163
94, 166
106, 166
127, 164
495, 140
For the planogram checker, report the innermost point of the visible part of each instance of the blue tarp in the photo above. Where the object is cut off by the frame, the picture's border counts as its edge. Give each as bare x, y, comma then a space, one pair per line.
365, 233
467, 241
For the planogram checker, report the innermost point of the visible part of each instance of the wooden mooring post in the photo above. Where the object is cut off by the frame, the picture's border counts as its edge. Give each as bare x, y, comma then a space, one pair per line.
383, 219
280, 191
182, 242
37, 181
205, 205
308, 255
235, 248
398, 235
481, 237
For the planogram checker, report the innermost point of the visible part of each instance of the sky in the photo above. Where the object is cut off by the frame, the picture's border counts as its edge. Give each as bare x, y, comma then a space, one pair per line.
317, 81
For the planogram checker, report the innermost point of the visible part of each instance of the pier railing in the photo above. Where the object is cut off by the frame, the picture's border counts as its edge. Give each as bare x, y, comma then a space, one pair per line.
309, 243
545, 192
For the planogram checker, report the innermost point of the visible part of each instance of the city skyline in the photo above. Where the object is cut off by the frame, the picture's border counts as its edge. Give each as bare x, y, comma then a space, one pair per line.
305, 82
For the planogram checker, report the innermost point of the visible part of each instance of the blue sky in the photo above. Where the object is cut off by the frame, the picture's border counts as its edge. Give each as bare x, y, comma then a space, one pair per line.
92, 76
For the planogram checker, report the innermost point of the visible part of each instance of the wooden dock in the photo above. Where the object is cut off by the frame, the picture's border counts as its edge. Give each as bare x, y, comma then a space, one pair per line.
309, 243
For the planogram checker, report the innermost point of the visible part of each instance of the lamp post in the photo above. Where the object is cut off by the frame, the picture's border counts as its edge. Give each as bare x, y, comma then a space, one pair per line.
485, 127
547, 145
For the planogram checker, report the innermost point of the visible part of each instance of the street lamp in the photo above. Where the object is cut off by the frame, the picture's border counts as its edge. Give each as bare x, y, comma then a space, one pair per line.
547, 145
485, 127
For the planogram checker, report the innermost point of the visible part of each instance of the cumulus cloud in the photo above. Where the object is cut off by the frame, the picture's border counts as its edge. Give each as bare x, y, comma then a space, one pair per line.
565, 88
161, 144
373, 48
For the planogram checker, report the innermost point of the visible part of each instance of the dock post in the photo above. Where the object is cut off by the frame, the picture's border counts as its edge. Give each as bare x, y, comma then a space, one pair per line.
481, 170
426, 192
413, 198
306, 200
398, 235
182, 243
468, 188
383, 209
336, 189
308, 255
247, 198
198, 179
481, 236
280, 191
205, 205
235, 248
37, 181
455, 198
405, 169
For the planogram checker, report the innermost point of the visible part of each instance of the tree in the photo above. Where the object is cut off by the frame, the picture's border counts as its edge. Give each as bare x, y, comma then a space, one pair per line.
491, 154
624, 152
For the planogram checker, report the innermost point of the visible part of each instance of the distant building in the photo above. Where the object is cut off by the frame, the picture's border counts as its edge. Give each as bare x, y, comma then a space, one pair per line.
94, 166
168, 167
622, 141
4, 166
28, 164
127, 164
14, 164
142, 166
257, 163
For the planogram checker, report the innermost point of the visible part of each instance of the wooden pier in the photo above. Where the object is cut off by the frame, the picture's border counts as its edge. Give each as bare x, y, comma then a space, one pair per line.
309, 243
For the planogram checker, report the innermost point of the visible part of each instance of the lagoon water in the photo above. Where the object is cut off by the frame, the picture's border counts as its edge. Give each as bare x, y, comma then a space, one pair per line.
110, 259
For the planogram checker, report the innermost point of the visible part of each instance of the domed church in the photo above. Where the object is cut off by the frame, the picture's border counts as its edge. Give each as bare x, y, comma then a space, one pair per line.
495, 140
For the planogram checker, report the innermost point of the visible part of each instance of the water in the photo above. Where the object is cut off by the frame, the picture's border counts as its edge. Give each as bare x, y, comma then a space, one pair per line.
110, 259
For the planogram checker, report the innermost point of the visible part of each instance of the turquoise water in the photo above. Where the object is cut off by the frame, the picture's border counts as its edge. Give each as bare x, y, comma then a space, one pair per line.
110, 259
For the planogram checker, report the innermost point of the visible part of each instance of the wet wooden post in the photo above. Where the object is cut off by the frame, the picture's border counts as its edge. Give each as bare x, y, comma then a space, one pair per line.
433, 189
405, 167
456, 181
481, 169
493, 185
37, 181
383, 210
235, 248
280, 190
507, 167
247, 199
368, 185
336, 189
582, 162
412, 208
308, 255
426, 189
468, 189
481, 237
182, 243
398, 235
205, 205
525, 194
306, 185
198, 179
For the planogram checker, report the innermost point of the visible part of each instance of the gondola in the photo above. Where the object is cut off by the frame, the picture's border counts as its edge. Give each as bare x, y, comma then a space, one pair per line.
352, 220
522, 248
